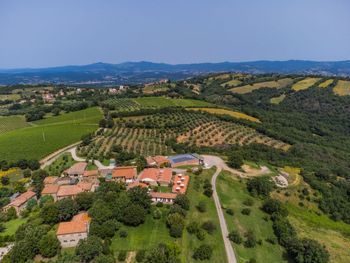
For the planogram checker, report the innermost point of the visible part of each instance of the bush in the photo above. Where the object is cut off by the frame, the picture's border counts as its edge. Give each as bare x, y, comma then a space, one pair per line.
250, 239
230, 212
235, 237
201, 207
122, 256
123, 234
49, 246
140, 255
192, 228
248, 202
203, 252
209, 226
183, 201
200, 234
246, 211
208, 192
260, 186
157, 214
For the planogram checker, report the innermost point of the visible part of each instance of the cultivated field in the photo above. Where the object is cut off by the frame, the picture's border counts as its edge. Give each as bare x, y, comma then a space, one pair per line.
48, 135
157, 88
305, 83
10, 96
147, 135
342, 88
326, 83
10, 123
281, 83
232, 83
235, 114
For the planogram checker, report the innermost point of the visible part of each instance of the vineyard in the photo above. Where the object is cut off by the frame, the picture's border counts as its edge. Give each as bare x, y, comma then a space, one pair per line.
147, 135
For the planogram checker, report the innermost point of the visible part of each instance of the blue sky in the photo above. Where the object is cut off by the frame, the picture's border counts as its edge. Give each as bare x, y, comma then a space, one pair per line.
41, 33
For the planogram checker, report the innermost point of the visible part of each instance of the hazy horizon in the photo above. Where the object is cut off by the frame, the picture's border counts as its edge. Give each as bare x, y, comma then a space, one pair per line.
40, 34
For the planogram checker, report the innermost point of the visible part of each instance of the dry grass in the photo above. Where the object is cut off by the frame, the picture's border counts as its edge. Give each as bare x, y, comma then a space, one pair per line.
277, 100
232, 83
281, 83
326, 83
305, 83
342, 88
235, 114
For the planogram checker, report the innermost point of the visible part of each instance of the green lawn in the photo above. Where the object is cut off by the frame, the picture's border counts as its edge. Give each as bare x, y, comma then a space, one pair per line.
10, 123
159, 102
232, 194
48, 135
12, 226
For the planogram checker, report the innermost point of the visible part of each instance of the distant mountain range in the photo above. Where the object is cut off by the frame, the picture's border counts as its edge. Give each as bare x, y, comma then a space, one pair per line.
104, 74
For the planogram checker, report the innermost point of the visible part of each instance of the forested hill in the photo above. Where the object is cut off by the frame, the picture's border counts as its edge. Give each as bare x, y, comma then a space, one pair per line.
142, 72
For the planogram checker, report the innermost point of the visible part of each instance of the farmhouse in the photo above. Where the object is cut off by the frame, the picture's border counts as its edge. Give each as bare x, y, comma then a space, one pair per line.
180, 183
158, 161
50, 189
125, 174
20, 202
50, 180
71, 191
186, 159
137, 184
70, 233
90, 176
154, 176
167, 198
77, 170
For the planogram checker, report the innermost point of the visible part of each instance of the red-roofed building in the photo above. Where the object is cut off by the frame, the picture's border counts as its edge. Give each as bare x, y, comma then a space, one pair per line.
125, 174
50, 189
154, 176
158, 161
167, 198
137, 184
90, 175
71, 191
20, 202
76, 170
50, 180
180, 184
70, 233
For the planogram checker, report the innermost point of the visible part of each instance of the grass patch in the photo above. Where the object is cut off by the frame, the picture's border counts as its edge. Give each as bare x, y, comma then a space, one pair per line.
342, 88
278, 100
58, 166
48, 135
235, 114
232, 194
10, 96
305, 83
232, 83
12, 226
281, 83
10, 123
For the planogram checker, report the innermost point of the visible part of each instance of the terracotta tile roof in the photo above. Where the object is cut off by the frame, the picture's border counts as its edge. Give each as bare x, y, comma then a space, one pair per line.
85, 186
163, 195
68, 190
79, 224
90, 173
180, 184
50, 189
77, 168
135, 184
156, 160
127, 172
50, 180
20, 200
105, 172
155, 174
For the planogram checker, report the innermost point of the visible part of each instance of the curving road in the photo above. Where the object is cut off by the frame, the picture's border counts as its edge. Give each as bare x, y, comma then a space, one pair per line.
231, 257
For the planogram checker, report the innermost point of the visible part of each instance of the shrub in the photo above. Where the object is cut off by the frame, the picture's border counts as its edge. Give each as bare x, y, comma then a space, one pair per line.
208, 192
140, 255
122, 255
123, 234
201, 207
157, 214
260, 186
248, 202
200, 234
192, 228
246, 211
250, 239
209, 226
203, 252
230, 211
235, 237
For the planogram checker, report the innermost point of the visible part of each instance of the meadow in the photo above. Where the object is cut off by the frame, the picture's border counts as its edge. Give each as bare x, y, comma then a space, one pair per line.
232, 193
281, 83
232, 83
48, 135
277, 100
342, 88
10, 123
235, 114
10, 96
305, 83
326, 83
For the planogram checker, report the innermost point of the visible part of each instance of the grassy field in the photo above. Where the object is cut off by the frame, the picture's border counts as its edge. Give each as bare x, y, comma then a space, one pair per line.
342, 88
12, 226
305, 83
48, 135
157, 88
10, 96
277, 100
232, 194
10, 123
326, 83
232, 83
159, 102
152, 232
281, 83
235, 114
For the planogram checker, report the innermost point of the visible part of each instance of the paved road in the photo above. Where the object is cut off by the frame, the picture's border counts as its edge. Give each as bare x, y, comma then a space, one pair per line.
231, 257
